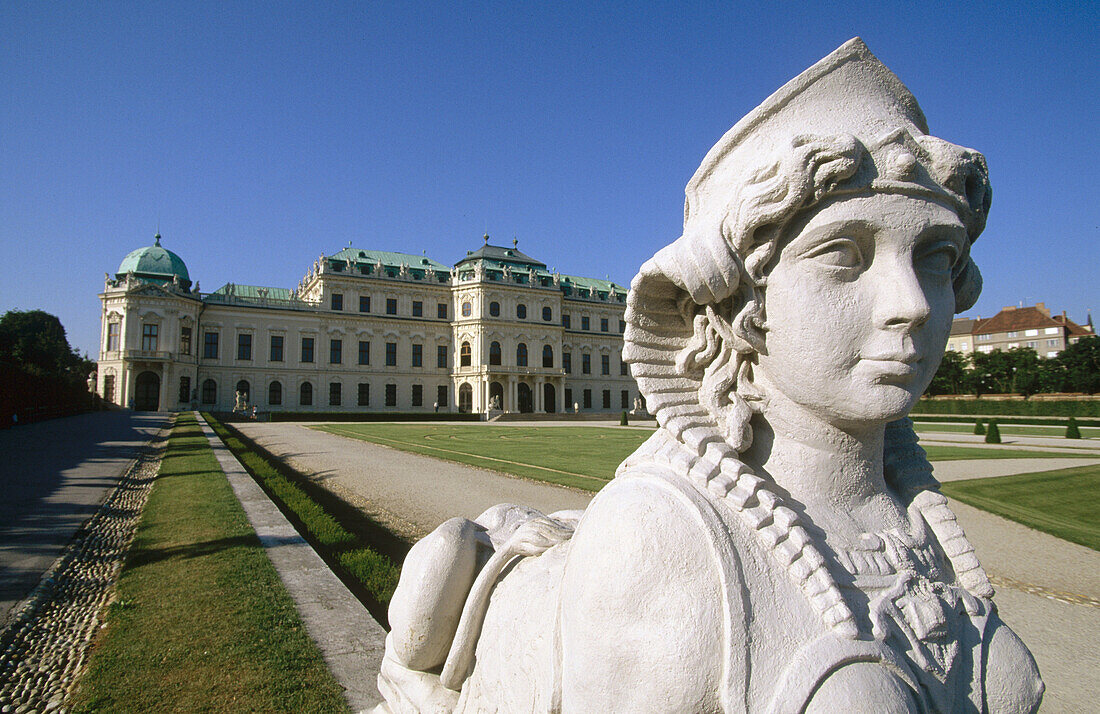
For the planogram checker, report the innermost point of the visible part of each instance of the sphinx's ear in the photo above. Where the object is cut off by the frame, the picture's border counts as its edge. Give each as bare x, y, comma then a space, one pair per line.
968, 286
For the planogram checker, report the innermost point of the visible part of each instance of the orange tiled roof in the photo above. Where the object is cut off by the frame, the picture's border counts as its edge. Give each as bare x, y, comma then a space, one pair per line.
1016, 319
1074, 329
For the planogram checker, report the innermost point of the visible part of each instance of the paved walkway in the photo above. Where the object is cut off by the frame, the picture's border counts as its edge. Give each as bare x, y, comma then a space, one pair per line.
53, 476
1048, 589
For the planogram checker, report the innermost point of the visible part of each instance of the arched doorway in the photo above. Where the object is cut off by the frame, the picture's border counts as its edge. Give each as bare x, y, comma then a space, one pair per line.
526, 403
147, 392
496, 390
549, 398
465, 398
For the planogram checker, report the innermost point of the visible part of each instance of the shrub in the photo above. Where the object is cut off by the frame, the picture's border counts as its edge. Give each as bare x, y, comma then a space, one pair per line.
623, 421
993, 434
1072, 431
978, 428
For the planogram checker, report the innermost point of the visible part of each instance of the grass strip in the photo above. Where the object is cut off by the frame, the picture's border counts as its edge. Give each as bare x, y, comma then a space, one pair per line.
1052, 431
963, 453
364, 555
580, 457
200, 621
1063, 503
1032, 421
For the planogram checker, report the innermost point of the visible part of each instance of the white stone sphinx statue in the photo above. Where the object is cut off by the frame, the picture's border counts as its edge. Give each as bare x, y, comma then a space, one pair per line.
779, 544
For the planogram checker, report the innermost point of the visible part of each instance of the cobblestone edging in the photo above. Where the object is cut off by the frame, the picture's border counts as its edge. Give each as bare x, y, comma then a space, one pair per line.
43, 645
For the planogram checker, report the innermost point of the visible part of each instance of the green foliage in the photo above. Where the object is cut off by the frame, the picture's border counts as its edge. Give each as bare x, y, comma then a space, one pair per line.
1072, 430
1063, 503
623, 420
993, 434
1020, 371
1010, 407
978, 428
953, 376
1081, 364
40, 374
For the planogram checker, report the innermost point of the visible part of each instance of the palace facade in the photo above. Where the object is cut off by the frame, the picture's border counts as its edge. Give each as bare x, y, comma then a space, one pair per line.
366, 331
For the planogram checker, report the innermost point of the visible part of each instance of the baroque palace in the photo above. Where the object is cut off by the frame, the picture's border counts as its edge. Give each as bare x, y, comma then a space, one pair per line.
366, 331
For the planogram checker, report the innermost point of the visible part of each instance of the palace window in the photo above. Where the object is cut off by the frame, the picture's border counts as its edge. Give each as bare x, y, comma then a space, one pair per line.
547, 314
605, 364
337, 301
391, 395
109, 387
606, 399
112, 336
364, 303
584, 322
565, 320
494, 309
364, 394
567, 362
391, 306
464, 355
185, 340
418, 355
276, 348
441, 395
623, 371
210, 345
334, 394
547, 356
586, 363
364, 352
441, 356
149, 337
209, 391
624, 399
603, 324
185, 389
335, 351
467, 309
391, 354
521, 354
622, 326
418, 395
275, 394
418, 308
441, 311
494, 353
305, 394
244, 347
586, 399
521, 311
307, 350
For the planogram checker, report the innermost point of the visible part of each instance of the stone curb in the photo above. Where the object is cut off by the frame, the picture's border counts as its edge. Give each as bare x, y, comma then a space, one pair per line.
351, 641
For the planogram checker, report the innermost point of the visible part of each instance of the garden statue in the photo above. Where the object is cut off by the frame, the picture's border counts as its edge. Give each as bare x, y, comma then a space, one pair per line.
240, 401
779, 544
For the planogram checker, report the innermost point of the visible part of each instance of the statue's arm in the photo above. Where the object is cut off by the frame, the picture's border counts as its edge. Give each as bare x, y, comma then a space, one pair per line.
641, 622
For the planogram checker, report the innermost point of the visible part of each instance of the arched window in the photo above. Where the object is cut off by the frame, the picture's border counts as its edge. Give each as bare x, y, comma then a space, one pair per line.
521, 311
244, 388
521, 354
547, 314
209, 391
467, 308
305, 394
464, 355
547, 356
275, 394
494, 309
465, 398
494, 353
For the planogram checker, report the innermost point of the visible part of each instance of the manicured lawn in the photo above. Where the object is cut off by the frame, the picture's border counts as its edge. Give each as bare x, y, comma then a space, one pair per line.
1052, 432
1064, 503
954, 453
201, 621
584, 457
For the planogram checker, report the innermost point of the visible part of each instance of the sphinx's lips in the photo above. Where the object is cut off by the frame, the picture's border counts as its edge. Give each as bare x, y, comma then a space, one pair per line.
892, 367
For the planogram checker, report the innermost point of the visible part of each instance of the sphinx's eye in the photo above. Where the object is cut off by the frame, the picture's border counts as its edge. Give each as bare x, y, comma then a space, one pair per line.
837, 253
938, 258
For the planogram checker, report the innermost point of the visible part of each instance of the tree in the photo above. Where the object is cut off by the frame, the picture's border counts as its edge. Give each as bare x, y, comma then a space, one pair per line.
952, 376
35, 341
978, 428
1081, 363
1072, 430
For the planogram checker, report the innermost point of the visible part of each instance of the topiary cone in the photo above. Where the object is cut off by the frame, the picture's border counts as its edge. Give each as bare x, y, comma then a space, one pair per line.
623, 421
1072, 430
993, 434
979, 429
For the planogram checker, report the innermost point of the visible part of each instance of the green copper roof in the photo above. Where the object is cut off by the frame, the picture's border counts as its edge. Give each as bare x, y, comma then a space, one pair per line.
388, 259
604, 286
253, 292
155, 262
501, 254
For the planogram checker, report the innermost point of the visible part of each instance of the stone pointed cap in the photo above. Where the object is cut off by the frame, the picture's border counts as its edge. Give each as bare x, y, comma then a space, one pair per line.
849, 91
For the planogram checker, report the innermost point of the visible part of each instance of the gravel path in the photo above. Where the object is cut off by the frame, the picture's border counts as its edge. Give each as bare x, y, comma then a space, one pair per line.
43, 643
1048, 589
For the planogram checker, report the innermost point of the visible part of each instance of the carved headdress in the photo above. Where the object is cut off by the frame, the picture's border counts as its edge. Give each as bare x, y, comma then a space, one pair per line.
847, 125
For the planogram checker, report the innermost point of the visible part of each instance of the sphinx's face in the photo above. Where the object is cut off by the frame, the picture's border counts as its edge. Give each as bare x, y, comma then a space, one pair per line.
859, 306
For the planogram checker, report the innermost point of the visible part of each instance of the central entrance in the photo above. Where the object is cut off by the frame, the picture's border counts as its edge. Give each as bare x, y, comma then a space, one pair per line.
496, 392
147, 392
549, 398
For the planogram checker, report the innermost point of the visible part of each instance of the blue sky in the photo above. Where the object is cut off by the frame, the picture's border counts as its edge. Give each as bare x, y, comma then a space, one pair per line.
260, 135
